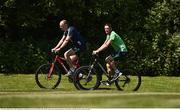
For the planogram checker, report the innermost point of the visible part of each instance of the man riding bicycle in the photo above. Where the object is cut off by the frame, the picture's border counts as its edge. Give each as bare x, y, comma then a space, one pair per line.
120, 50
71, 34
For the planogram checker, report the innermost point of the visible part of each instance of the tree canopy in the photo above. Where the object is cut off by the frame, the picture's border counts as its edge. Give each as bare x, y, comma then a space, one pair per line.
150, 29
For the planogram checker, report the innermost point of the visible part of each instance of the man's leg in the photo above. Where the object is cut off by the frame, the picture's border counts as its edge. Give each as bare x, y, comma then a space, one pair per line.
111, 62
74, 59
70, 56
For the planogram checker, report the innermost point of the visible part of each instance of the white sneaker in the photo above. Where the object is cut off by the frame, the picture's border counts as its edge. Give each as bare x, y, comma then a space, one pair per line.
106, 83
80, 75
70, 72
116, 75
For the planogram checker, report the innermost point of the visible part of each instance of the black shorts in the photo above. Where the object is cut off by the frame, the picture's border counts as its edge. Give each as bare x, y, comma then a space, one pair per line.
78, 50
119, 55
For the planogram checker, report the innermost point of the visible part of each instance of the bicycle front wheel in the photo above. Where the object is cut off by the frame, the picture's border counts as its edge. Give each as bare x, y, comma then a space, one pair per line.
86, 78
128, 81
44, 80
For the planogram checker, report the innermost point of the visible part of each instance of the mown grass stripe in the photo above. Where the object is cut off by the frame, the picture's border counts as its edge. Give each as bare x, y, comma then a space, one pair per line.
87, 94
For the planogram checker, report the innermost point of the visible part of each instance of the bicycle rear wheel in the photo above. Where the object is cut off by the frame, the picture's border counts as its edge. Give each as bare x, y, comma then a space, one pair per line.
42, 79
128, 81
84, 79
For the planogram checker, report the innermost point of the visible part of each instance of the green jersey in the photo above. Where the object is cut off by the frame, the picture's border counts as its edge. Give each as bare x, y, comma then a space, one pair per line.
116, 42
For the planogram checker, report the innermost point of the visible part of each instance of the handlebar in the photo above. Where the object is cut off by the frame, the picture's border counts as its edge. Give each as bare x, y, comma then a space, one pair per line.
95, 56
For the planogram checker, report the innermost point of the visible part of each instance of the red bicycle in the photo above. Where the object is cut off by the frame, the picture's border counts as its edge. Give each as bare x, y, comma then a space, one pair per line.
49, 75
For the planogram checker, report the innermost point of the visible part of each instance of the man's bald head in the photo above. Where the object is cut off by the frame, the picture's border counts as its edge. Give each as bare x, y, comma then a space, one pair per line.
63, 24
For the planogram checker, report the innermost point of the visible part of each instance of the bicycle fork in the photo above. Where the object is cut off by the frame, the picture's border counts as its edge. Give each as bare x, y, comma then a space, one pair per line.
52, 68
89, 77
50, 71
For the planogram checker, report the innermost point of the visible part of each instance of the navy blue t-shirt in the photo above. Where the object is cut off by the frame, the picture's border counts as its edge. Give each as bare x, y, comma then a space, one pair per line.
77, 40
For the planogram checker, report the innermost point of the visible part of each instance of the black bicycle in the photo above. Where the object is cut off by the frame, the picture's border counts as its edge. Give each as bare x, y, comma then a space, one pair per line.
90, 77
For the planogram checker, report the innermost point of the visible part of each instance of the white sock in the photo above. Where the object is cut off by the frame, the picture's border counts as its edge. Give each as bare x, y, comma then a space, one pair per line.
117, 71
72, 69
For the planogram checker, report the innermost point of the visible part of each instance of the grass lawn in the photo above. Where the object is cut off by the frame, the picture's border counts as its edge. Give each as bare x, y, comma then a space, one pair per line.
155, 92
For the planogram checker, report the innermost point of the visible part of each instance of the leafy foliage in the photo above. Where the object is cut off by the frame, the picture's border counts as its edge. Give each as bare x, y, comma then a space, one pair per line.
29, 29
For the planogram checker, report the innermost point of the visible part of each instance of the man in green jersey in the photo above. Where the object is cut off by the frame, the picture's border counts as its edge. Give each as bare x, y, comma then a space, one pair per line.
119, 47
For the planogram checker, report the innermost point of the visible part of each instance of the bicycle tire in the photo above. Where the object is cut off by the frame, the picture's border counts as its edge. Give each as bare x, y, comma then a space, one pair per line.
130, 80
84, 82
42, 80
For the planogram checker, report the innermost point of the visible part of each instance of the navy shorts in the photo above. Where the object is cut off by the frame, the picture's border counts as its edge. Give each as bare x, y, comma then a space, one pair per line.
78, 50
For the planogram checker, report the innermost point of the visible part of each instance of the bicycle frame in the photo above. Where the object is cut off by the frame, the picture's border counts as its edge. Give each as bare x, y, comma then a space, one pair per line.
96, 62
60, 60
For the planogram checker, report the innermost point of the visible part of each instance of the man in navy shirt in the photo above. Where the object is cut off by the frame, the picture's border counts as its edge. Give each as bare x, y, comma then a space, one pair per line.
71, 34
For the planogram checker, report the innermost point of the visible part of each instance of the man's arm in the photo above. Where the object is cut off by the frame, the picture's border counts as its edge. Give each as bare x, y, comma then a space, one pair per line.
104, 46
64, 43
60, 42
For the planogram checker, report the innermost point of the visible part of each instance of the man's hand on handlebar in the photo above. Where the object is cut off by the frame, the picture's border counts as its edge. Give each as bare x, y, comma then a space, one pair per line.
55, 50
94, 52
